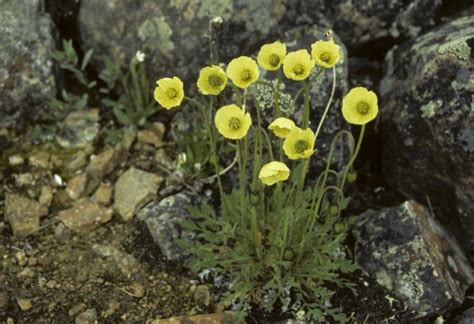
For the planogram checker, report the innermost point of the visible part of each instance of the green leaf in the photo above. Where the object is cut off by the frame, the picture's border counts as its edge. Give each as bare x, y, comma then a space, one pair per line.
121, 116
86, 59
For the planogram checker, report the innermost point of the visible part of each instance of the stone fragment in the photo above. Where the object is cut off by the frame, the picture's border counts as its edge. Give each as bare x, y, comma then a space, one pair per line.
26, 69
87, 317
202, 296
46, 196
103, 194
103, 163
23, 214
39, 160
85, 215
4, 298
149, 137
162, 217
76, 309
26, 273
15, 160
62, 233
407, 251
217, 318
137, 290
80, 128
159, 129
133, 189
76, 162
25, 304
24, 180
76, 186
427, 123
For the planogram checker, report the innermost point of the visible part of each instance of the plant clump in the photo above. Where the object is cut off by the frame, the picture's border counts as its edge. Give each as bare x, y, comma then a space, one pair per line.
278, 236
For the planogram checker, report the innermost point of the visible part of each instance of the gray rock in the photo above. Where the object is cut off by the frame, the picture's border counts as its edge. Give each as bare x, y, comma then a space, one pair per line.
134, 189
406, 250
467, 317
174, 34
26, 78
369, 21
87, 317
23, 214
79, 129
76, 186
162, 218
427, 123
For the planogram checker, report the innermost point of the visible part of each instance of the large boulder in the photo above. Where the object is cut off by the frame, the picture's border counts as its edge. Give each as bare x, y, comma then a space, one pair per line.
407, 251
175, 34
376, 21
427, 122
26, 77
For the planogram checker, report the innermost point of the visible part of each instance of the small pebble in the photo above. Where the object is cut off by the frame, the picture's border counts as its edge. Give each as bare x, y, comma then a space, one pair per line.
15, 160
87, 317
25, 304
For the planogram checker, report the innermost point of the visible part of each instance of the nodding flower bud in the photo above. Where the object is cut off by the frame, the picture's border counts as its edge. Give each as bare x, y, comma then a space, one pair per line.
288, 254
333, 210
351, 176
255, 199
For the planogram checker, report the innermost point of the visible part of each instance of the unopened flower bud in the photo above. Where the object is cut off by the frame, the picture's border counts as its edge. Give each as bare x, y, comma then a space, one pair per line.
333, 210
338, 228
254, 199
351, 176
288, 254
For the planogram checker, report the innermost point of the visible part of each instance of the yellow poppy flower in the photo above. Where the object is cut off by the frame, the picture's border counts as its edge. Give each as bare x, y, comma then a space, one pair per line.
299, 144
271, 56
282, 126
169, 92
325, 53
297, 65
243, 71
359, 106
232, 122
212, 80
274, 172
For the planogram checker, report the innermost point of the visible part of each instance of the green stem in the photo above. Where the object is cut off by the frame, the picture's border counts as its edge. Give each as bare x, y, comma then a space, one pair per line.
353, 158
257, 148
269, 143
241, 182
276, 98
333, 90
306, 105
309, 228
138, 100
211, 142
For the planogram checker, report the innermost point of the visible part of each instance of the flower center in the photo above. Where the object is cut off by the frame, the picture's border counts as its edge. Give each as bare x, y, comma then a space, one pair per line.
362, 107
234, 123
246, 75
171, 93
301, 146
325, 57
299, 69
274, 60
215, 81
